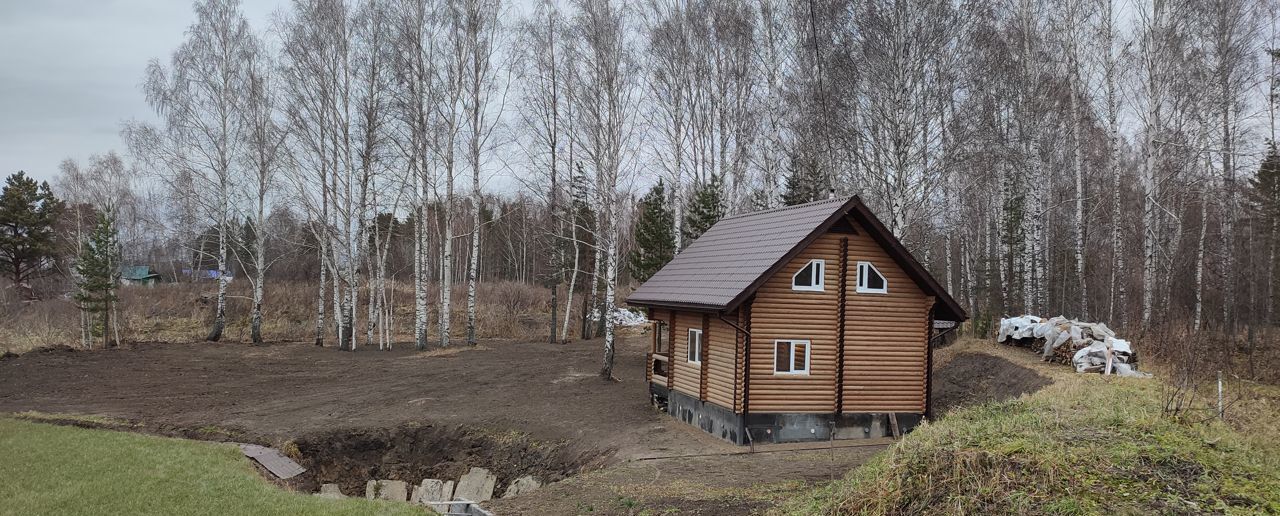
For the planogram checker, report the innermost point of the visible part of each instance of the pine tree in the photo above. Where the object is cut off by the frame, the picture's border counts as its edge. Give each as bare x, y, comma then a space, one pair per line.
1266, 199
28, 242
655, 243
98, 269
705, 209
804, 184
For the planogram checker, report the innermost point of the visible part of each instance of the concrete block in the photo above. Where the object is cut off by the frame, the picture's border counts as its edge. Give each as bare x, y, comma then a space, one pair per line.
477, 485
396, 490
432, 490
521, 486
330, 491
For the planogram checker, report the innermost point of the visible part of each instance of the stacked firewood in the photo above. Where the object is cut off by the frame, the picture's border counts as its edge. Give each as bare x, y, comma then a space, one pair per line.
1089, 347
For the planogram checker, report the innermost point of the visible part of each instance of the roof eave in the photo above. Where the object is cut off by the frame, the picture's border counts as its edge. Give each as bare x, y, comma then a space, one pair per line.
693, 307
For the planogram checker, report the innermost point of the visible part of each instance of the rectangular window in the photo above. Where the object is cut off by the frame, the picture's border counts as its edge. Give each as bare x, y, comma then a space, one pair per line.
695, 346
791, 357
809, 277
870, 281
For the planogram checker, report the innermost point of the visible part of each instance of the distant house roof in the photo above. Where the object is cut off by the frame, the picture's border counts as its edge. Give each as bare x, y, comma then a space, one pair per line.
137, 273
725, 266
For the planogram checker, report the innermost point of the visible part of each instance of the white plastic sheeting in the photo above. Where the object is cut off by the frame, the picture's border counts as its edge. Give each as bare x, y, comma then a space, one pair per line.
1017, 327
1092, 347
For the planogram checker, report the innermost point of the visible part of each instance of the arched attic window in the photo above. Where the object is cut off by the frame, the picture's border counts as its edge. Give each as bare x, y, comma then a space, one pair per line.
870, 281
810, 276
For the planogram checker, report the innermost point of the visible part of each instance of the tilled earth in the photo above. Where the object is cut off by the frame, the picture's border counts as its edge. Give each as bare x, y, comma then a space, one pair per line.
970, 378
514, 407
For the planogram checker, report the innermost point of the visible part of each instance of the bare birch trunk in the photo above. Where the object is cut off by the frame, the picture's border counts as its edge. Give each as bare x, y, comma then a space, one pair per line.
420, 273
1199, 282
1116, 295
446, 263
573, 285
1078, 164
611, 278
220, 311
474, 263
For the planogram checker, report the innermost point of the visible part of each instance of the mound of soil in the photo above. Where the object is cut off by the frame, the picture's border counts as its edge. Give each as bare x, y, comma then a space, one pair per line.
971, 378
411, 453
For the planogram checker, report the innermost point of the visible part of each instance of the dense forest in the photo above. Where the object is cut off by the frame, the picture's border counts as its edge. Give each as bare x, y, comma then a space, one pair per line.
1103, 159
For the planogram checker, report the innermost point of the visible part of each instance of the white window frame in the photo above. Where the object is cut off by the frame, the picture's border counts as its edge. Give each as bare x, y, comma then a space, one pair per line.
862, 279
688, 347
808, 354
818, 282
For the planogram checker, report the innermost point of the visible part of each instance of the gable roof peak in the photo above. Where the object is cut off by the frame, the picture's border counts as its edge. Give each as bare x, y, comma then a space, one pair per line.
723, 267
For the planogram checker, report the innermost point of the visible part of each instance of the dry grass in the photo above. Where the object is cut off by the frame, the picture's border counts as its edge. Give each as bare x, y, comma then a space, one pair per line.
1087, 444
183, 312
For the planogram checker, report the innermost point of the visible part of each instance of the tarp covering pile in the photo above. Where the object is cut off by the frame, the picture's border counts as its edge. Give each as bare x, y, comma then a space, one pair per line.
1090, 347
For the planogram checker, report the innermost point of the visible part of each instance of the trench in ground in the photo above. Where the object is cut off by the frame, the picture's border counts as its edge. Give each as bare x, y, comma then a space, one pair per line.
415, 452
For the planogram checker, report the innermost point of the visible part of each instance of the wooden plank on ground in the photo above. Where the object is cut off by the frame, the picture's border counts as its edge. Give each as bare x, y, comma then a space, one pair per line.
271, 458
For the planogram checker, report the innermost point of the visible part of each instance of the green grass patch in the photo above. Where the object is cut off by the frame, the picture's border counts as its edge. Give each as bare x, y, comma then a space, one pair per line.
51, 469
1087, 444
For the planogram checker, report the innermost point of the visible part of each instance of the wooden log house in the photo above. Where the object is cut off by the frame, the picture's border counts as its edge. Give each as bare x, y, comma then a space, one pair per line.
807, 322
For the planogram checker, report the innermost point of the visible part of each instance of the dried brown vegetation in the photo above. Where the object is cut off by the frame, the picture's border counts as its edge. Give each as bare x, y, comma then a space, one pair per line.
182, 312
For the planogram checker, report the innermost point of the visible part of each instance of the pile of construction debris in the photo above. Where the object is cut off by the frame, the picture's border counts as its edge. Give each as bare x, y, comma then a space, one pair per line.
1090, 347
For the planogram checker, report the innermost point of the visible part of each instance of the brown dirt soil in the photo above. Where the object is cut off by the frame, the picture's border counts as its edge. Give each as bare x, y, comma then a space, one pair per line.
515, 408
970, 377
413, 452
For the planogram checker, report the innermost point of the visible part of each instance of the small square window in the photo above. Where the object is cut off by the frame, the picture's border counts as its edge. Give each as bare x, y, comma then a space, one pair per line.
809, 277
695, 346
870, 280
791, 357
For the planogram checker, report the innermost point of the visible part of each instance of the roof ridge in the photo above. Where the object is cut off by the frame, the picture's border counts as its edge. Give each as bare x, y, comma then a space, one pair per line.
836, 200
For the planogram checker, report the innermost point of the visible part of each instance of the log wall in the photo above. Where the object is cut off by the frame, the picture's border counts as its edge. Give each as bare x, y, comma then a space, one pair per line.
779, 313
720, 360
886, 337
687, 376
714, 379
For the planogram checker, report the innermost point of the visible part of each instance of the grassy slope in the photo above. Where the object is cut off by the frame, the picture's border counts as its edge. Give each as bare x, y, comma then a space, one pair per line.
47, 469
1084, 445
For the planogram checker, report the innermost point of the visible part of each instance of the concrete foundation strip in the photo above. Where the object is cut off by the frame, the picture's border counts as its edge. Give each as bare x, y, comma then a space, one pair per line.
861, 443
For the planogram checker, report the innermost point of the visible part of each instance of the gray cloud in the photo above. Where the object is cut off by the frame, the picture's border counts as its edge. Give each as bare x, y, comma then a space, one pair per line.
69, 73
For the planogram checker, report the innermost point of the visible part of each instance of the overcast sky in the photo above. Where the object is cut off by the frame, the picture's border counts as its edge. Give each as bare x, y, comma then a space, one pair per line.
70, 70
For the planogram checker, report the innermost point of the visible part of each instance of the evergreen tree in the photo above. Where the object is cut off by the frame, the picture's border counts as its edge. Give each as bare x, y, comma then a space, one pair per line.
803, 185
705, 208
1266, 185
28, 245
655, 240
1266, 199
98, 271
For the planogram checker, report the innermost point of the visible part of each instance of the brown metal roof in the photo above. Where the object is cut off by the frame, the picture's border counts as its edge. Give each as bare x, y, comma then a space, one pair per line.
726, 265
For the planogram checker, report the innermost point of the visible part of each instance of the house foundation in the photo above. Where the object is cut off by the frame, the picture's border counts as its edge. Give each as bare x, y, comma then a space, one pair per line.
776, 427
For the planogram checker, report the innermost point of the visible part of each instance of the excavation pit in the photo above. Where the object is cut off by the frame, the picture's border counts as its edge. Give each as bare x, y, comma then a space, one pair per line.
412, 453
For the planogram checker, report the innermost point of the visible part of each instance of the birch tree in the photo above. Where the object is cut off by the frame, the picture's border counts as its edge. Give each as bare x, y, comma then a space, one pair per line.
198, 98
605, 93
415, 96
906, 52
451, 72
483, 110
539, 49
262, 159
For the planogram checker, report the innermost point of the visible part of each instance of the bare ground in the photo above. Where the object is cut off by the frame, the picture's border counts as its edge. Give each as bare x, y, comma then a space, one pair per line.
514, 407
